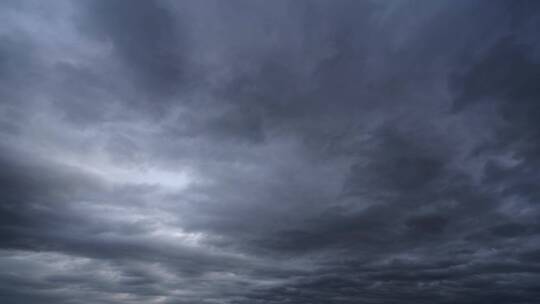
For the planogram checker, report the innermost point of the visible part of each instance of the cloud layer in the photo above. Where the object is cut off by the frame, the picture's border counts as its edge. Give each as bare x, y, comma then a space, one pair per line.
269, 152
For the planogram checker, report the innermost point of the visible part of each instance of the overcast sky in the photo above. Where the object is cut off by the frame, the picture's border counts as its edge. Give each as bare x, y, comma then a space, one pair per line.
268, 152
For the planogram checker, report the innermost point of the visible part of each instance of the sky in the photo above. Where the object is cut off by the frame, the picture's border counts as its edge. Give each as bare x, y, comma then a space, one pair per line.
269, 152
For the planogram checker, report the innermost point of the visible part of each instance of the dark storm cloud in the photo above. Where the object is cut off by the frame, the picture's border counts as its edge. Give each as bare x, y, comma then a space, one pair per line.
269, 152
145, 35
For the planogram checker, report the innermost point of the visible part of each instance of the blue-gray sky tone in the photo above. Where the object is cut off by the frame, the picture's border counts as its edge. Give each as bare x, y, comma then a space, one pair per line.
269, 152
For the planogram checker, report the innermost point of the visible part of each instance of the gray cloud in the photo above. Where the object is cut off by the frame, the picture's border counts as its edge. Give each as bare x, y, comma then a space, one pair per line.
269, 152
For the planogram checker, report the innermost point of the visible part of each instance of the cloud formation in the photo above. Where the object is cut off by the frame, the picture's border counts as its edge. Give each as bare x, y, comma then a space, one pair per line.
269, 152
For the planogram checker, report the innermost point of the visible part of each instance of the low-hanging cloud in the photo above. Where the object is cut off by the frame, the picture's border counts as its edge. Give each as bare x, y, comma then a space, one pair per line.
269, 152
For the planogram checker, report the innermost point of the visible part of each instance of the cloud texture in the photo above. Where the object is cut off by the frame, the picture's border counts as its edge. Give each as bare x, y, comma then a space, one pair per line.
269, 152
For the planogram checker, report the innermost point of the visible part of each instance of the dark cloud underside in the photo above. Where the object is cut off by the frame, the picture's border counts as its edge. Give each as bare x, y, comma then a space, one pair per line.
269, 152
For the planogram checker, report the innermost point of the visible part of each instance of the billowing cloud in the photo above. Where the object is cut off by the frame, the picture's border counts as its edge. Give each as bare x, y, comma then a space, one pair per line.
269, 152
